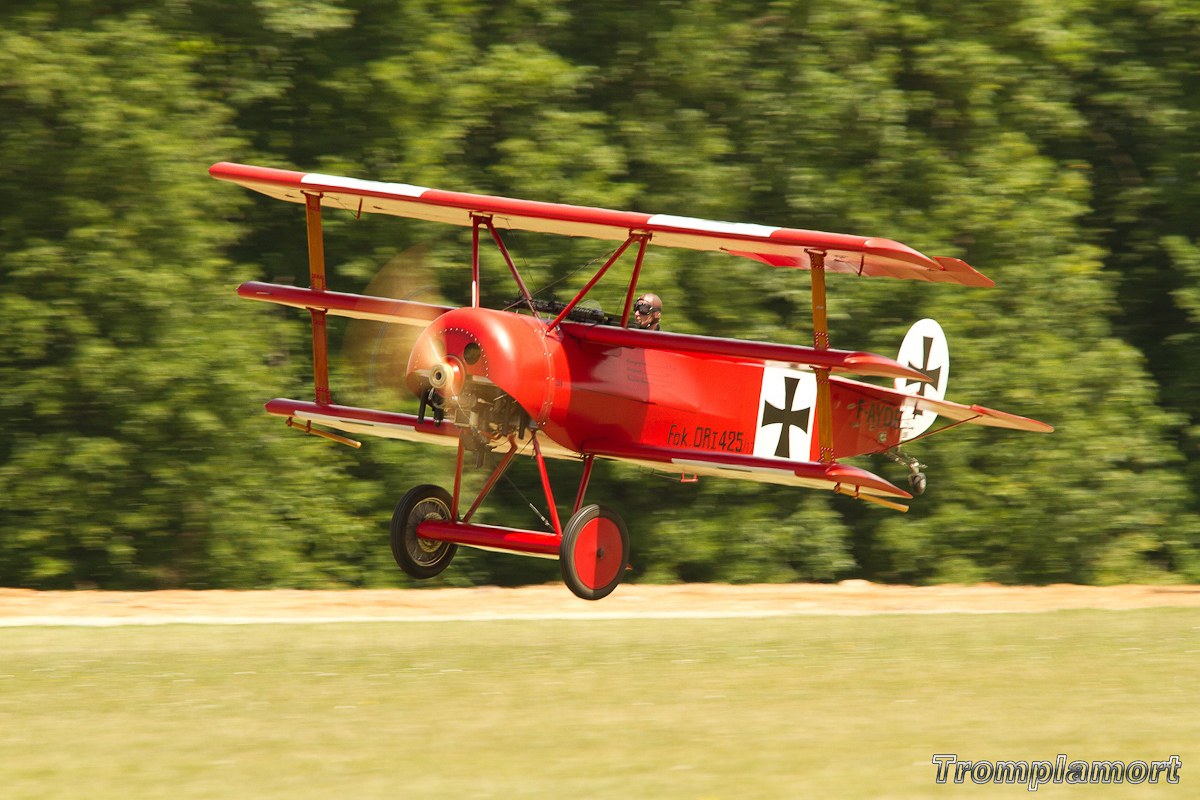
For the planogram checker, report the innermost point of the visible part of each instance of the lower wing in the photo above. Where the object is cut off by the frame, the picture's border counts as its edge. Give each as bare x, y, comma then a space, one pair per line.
389, 425
840, 478
810, 474
367, 421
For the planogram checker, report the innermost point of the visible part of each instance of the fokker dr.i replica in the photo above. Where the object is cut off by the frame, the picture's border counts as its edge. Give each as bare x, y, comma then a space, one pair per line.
574, 385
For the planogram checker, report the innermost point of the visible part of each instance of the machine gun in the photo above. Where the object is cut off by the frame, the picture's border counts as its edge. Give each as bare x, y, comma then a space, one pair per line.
590, 316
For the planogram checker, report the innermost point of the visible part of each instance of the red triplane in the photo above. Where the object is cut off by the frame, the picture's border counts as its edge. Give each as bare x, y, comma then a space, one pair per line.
574, 386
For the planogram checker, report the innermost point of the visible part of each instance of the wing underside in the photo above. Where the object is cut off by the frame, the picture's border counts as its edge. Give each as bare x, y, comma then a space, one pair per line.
366, 421
407, 427
389, 425
809, 474
341, 304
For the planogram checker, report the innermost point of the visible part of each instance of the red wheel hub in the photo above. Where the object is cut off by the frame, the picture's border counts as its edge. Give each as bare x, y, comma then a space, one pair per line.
598, 555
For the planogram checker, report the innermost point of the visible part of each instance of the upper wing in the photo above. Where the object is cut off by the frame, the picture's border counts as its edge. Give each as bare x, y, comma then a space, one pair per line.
770, 245
977, 415
753, 468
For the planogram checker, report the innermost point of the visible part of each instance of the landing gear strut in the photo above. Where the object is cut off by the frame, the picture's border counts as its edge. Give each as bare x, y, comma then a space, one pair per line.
916, 479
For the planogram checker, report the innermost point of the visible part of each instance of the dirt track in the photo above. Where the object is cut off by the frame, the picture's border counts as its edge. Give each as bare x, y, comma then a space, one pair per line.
28, 607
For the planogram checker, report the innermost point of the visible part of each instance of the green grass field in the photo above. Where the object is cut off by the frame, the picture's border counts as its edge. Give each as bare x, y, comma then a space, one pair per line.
816, 706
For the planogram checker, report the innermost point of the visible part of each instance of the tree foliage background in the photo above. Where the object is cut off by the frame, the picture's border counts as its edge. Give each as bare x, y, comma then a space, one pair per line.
1050, 144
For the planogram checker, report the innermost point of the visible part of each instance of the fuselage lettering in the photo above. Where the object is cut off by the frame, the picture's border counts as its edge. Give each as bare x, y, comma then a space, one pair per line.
704, 438
878, 415
677, 436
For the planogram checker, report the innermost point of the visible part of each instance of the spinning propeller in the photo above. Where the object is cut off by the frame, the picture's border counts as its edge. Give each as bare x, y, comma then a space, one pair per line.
379, 351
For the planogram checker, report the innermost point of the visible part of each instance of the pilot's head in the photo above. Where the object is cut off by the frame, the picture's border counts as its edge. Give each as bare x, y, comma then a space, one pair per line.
647, 311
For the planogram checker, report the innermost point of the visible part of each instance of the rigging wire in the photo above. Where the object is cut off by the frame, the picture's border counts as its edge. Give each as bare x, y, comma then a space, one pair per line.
545, 521
521, 494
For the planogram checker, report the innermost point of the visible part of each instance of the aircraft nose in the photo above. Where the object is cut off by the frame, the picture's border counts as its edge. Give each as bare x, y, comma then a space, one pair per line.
439, 376
447, 376
428, 354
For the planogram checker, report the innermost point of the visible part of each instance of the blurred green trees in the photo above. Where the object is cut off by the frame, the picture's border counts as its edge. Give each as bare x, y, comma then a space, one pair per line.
132, 452
1047, 144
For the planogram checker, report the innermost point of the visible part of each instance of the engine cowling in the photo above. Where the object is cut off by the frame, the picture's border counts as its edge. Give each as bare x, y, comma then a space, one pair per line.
468, 349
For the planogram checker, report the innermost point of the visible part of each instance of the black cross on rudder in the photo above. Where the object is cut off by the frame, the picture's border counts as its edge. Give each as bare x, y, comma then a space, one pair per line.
935, 374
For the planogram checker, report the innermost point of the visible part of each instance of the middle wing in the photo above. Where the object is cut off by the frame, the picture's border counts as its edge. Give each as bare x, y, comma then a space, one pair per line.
406, 312
340, 304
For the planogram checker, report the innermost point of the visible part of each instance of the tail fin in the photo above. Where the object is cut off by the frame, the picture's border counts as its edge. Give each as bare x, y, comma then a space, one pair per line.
924, 348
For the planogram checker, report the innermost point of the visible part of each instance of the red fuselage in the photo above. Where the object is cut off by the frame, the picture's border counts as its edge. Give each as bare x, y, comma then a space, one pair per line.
578, 392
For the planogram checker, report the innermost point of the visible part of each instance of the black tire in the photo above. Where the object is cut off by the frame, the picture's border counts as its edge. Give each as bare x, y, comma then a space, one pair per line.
421, 558
590, 566
917, 483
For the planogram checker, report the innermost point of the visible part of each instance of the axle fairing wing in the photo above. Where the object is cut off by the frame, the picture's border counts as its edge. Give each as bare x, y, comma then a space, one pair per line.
770, 245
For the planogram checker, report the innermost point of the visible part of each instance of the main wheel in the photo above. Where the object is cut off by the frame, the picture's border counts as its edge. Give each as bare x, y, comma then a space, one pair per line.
594, 552
421, 558
917, 483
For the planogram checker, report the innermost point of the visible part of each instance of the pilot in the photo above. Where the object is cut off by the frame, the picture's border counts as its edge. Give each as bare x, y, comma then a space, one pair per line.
647, 312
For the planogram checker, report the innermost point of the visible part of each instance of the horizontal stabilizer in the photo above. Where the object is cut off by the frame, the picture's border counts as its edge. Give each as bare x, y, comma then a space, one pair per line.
811, 474
339, 304
977, 415
791, 355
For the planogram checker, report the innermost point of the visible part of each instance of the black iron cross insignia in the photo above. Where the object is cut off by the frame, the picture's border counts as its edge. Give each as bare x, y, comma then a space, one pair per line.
935, 374
786, 417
